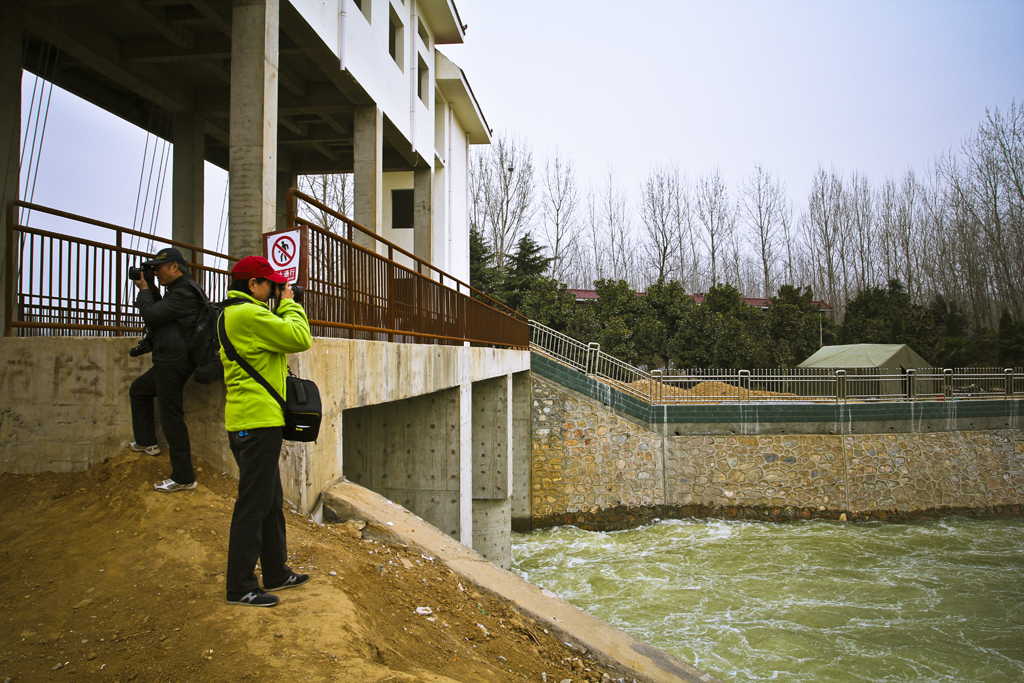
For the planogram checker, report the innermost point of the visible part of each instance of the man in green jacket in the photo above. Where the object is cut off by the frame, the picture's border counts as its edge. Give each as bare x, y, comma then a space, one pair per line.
254, 421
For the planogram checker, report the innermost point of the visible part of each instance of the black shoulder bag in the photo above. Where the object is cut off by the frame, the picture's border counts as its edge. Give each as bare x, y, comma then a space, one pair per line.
302, 408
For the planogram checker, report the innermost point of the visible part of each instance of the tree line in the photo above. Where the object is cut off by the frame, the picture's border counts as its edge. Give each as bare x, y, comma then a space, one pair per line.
934, 260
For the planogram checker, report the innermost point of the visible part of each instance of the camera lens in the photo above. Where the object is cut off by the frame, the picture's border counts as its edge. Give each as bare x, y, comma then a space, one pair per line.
134, 273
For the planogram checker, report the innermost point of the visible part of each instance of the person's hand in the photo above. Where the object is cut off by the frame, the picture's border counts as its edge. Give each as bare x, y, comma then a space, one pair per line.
286, 291
141, 283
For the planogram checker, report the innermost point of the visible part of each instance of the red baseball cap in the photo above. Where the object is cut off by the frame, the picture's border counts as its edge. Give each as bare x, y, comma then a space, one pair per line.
256, 266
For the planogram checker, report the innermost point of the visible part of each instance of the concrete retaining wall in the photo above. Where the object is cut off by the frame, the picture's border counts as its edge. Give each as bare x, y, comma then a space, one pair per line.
600, 468
64, 407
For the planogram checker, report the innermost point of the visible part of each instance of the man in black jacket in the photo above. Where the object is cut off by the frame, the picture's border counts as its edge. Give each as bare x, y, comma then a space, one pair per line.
170, 320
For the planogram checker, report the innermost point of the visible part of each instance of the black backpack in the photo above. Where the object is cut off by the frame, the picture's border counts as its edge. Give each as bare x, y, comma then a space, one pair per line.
203, 345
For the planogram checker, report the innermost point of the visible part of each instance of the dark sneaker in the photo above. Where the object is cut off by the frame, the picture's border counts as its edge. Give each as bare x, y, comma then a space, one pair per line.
168, 485
148, 450
256, 598
291, 582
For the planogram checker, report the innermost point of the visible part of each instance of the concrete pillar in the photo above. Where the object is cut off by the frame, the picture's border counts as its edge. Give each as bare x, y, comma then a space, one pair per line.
368, 171
465, 454
492, 472
409, 451
253, 120
285, 180
188, 181
522, 453
422, 213
10, 121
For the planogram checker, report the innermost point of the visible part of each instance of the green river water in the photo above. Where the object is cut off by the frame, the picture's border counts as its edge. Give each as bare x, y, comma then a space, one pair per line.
804, 602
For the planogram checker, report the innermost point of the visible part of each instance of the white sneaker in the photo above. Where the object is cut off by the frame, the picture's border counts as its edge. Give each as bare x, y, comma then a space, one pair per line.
148, 450
168, 485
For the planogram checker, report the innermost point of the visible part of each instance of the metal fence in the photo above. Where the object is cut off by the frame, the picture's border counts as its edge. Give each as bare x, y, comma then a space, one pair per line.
60, 285
365, 287
789, 385
63, 284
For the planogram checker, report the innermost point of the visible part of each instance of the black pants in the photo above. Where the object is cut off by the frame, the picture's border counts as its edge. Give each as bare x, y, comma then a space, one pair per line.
257, 524
167, 386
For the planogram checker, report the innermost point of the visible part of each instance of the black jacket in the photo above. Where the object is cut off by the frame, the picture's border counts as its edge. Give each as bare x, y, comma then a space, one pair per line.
168, 319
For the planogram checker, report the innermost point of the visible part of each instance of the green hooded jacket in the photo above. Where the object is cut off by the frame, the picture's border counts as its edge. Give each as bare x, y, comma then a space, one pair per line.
262, 337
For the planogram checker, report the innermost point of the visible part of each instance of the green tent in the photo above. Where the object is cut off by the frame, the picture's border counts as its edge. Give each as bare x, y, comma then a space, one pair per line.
890, 357
873, 370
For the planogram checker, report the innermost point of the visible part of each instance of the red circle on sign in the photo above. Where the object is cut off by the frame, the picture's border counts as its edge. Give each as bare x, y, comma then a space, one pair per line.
283, 251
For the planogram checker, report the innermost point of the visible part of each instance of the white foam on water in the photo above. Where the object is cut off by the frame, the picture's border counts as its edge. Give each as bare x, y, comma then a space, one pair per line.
806, 602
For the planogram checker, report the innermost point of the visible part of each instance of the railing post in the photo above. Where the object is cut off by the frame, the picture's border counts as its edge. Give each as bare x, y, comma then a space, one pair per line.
947, 383
9, 275
911, 384
593, 350
1008, 387
289, 216
744, 383
656, 386
840, 386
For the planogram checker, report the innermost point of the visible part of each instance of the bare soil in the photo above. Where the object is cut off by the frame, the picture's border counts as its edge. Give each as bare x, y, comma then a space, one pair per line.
104, 579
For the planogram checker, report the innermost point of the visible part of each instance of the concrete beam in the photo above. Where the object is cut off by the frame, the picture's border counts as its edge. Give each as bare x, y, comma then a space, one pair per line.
96, 48
10, 118
188, 180
522, 452
253, 124
368, 188
423, 213
285, 180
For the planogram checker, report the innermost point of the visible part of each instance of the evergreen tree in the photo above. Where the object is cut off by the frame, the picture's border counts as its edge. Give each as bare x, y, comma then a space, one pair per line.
483, 276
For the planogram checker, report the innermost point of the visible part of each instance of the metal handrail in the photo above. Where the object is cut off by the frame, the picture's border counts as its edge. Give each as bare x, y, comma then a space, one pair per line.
59, 285
778, 385
357, 291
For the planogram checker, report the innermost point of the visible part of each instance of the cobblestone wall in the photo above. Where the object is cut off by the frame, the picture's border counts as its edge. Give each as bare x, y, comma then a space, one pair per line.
594, 468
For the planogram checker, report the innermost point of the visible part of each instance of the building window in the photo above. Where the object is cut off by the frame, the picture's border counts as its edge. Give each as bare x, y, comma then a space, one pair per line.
422, 30
401, 209
423, 87
396, 39
364, 7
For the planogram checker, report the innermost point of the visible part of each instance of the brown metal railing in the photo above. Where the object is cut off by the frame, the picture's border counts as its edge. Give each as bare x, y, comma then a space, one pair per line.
359, 289
60, 285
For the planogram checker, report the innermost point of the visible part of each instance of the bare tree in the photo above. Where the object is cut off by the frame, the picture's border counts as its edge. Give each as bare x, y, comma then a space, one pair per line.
714, 213
334, 190
822, 228
659, 213
762, 203
560, 208
617, 233
501, 184
688, 246
860, 204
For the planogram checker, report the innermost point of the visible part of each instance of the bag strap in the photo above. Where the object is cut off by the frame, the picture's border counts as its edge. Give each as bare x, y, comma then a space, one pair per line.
233, 355
204, 301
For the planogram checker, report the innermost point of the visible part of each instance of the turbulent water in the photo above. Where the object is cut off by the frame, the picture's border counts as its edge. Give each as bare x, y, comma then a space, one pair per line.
805, 602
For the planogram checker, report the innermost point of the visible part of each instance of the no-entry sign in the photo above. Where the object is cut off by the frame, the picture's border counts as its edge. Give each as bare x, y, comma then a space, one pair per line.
287, 252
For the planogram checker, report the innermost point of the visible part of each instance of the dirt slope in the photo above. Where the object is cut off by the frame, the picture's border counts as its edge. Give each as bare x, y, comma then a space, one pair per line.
104, 579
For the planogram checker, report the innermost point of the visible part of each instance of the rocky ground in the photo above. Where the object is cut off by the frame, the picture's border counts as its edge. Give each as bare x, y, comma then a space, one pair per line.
104, 579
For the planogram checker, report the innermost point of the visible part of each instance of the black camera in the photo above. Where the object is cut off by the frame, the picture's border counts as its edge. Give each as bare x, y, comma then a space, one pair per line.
144, 273
144, 346
297, 293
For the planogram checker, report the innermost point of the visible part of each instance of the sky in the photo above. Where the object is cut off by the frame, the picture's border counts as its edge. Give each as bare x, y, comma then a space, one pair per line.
876, 86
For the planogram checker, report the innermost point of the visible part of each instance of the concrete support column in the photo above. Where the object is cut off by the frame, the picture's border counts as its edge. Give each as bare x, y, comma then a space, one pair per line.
422, 213
253, 137
522, 453
285, 180
492, 471
368, 171
409, 451
10, 121
187, 181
